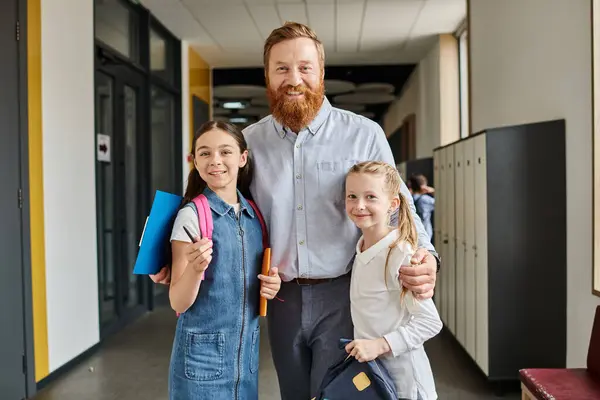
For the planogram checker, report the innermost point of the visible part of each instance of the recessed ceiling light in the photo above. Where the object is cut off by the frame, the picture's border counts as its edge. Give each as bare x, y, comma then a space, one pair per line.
234, 105
238, 120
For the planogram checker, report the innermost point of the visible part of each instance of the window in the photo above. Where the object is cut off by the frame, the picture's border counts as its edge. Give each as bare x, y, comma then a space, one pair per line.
164, 152
117, 26
596, 141
161, 56
463, 68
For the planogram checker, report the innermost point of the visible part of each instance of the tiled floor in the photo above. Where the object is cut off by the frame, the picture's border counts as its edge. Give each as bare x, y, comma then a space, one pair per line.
133, 365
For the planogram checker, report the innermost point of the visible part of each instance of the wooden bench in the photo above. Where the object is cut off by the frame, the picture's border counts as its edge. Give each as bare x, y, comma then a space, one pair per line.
568, 383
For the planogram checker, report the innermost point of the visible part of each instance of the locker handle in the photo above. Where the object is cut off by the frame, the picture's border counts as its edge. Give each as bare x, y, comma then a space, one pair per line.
445, 241
474, 247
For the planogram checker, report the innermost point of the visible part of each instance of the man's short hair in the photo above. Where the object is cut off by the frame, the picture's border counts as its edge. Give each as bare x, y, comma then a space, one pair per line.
292, 30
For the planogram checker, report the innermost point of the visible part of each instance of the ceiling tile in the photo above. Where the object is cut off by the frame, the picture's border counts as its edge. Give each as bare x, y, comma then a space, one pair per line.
260, 2
293, 12
440, 16
265, 17
349, 19
231, 26
181, 23
321, 18
388, 23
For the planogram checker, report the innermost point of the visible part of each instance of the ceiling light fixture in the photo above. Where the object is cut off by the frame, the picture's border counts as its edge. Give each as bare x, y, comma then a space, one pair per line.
234, 105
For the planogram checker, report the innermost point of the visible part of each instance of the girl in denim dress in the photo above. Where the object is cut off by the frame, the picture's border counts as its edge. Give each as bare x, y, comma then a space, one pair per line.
215, 349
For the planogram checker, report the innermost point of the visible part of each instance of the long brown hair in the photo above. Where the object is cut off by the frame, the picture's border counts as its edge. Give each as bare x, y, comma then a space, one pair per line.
196, 185
407, 231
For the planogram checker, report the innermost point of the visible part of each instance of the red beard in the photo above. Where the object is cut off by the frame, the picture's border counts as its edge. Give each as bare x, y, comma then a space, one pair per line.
295, 114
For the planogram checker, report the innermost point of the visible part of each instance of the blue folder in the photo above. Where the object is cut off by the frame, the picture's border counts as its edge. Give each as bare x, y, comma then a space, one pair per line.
155, 237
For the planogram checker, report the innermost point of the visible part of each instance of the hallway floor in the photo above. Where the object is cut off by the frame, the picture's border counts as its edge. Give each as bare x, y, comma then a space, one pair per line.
133, 365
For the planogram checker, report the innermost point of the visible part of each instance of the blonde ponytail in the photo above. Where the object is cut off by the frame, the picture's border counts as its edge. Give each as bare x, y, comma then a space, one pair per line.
407, 232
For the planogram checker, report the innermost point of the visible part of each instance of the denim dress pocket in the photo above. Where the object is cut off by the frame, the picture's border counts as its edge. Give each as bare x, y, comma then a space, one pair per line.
254, 349
204, 356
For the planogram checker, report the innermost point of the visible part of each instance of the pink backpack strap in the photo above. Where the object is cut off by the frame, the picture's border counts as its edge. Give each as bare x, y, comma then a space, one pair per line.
262, 224
205, 221
204, 216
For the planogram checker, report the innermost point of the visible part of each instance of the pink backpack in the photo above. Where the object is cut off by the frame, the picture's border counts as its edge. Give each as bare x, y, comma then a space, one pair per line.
205, 223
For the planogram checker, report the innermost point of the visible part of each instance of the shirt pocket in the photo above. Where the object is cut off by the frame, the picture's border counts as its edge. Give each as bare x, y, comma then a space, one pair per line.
204, 356
332, 178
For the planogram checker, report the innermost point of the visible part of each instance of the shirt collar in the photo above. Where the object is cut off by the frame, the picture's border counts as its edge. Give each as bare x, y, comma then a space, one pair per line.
367, 256
316, 123
218, 205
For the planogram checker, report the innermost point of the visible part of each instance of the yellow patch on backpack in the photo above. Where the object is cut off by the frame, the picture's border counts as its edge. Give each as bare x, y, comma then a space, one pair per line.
361, 381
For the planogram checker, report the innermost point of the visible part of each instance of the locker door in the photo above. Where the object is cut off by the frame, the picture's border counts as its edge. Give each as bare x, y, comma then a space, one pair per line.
450, 259
481, 275
459, 206
470, 283
437, 225
443, 211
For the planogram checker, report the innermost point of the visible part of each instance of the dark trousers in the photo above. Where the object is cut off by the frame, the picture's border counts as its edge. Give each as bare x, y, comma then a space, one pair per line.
304, 332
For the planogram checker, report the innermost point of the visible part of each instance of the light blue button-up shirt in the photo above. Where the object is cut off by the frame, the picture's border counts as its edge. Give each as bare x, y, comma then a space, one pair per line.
299, 187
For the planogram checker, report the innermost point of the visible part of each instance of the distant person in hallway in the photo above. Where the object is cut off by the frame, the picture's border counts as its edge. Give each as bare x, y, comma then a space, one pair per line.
302, 153
424, 201
389, 322
215, 350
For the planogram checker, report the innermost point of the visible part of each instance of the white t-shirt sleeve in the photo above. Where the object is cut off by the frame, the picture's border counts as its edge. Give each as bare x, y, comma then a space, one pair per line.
185, 217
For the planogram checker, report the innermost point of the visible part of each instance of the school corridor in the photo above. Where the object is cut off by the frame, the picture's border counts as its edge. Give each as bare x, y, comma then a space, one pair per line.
133, 365
492, 104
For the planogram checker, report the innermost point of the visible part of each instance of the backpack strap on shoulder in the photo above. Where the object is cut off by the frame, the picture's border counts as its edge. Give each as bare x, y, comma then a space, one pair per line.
262, 224
205, 221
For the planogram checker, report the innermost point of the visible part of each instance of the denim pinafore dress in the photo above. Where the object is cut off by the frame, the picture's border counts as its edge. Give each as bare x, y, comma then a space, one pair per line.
215, 349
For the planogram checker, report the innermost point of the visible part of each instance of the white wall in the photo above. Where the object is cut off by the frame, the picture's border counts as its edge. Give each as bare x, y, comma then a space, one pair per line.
69, 178
407, 103
431, 93
531, 61
428, 137
186, 110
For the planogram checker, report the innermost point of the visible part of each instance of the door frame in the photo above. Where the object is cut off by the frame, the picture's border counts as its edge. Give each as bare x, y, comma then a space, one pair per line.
29, 367
124, 75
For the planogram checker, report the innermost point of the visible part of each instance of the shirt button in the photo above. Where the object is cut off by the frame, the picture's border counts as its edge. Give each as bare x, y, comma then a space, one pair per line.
301, 242
303, 275
298, 176
298, 145
300, 207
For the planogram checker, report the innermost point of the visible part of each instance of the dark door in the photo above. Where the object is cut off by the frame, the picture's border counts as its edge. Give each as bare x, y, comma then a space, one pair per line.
120, 188
12, 345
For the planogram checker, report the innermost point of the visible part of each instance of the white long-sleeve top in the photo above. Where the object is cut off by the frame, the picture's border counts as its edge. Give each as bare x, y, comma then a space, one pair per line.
378, 311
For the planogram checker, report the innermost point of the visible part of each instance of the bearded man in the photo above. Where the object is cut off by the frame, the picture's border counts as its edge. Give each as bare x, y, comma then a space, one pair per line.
302, 153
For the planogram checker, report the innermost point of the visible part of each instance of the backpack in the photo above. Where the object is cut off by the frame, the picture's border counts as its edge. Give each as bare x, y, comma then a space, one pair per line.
417, 208
205, 222
349, 379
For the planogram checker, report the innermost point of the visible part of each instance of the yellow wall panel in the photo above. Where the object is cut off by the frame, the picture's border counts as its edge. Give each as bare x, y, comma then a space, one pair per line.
36, 187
